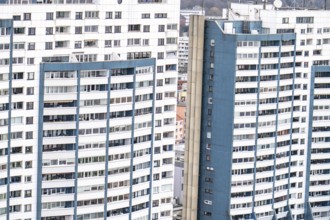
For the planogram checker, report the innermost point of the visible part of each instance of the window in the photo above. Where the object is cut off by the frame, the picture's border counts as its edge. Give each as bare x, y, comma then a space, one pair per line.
146, 28
19, 30
208, 213
160, 55
62, 14
30, 91
91, 28
49, 45
209, 191
161, 28
161, 42
28, 164
144, 16
79, 15
27, 193
90, 43
30, 76
49, 16
138, 55
29, 135
108, 29
133, 42
27, 208
134, 27
29, 105
27, 16
117, 29
78, 30
28, 149
304, 20
118, 15
107, 57
107, 43
4, 46
30, 61
28, 179
285, 20
209, 179
31, 46
116, 43
160, 15
160, 69
172, 27
145, 42
18, 75
159, 96
165, 213
171, 40
17, 90
171, 67
108, 15
91, 14
208, 202
32, 31
16, 17
49, 30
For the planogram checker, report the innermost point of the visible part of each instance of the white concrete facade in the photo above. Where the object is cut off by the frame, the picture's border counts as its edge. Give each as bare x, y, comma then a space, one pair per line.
312, 48
91, 31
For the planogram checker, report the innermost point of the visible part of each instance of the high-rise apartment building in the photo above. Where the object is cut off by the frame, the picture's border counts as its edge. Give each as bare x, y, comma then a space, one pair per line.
183, 54
87, 109
258, 129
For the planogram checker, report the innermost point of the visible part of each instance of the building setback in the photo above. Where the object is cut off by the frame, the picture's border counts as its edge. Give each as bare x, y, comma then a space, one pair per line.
87, 109
258, 141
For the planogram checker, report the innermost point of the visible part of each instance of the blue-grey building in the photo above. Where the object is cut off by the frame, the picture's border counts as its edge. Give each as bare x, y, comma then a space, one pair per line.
257, 139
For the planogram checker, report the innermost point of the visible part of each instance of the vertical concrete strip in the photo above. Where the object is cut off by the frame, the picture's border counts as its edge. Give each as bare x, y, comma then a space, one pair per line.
193, 119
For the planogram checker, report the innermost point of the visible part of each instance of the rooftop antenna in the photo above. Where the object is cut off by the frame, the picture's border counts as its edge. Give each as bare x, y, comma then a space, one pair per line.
203, 5
294, 4
325, 4
228, 8
264, 4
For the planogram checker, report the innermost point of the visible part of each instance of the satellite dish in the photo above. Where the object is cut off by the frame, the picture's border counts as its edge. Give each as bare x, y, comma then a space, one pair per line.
278, 3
